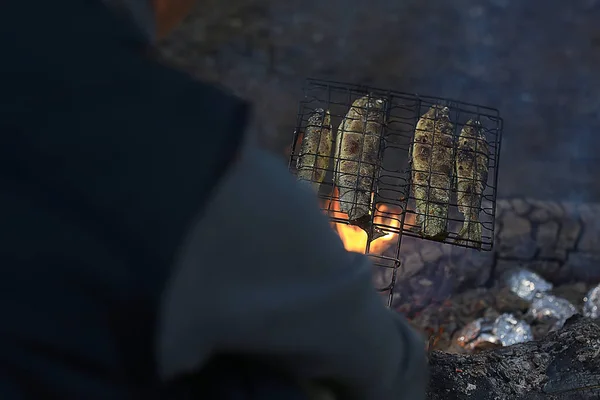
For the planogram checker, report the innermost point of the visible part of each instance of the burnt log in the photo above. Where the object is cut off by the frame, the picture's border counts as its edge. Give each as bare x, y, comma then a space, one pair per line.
563, 365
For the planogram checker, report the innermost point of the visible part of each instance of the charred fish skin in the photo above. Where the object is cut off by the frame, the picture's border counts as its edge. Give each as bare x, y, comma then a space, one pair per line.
357, 148
315, 151
472, 157
432, 170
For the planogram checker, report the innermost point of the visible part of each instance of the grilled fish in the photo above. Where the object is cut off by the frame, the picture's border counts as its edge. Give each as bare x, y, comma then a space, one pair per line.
315, 150
472, 156
356, 155
432, 168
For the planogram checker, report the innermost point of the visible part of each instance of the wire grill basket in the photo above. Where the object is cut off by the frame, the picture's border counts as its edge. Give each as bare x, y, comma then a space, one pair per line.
387, 164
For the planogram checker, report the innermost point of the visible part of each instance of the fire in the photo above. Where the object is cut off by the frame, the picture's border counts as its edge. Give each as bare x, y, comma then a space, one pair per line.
354, 238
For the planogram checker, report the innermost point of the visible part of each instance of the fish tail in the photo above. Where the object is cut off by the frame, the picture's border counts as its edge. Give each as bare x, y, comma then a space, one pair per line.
471, 231
434, 224
355, 204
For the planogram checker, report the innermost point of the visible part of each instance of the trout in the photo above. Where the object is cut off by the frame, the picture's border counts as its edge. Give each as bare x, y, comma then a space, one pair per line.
472, 156
315, 151
432, 168
356, 155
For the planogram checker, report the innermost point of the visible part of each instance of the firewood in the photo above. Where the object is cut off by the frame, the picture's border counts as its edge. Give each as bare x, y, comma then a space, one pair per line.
563, 365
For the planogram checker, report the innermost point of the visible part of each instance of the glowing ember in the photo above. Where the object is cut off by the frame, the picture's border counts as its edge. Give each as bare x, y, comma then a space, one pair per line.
434, 338
354, 238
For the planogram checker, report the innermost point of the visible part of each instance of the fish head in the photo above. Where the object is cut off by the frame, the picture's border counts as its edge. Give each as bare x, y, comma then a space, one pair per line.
471, 135
369, 102
436, 117
317, 117
327, 118
438, 111
376, 103
369, 108
471, 129
361, 102
376, 108
319, 112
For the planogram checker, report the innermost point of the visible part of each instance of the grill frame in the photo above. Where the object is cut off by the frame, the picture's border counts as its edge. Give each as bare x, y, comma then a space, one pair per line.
392, 187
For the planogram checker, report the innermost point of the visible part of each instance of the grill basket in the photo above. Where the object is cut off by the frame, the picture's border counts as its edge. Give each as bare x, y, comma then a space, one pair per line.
386, 192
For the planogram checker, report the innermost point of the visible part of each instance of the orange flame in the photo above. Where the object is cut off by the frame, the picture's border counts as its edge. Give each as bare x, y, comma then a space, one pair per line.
354, 238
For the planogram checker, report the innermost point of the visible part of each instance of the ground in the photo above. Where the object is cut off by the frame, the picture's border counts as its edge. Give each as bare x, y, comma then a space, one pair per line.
537, 62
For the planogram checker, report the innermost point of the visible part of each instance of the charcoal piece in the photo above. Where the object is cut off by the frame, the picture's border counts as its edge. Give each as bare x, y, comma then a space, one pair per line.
564, 365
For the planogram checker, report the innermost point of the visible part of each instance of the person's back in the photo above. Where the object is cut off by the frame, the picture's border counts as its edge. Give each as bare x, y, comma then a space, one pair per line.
125, 188
93, 205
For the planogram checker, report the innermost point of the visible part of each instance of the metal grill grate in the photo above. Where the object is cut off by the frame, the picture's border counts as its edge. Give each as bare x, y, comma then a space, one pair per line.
389, 164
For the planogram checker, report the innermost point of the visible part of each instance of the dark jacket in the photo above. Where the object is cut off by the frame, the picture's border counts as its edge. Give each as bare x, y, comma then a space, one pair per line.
135, 244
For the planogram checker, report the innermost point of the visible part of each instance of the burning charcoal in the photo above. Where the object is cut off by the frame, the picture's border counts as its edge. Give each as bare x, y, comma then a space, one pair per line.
591, 305
548, 307
511, 331
526, 284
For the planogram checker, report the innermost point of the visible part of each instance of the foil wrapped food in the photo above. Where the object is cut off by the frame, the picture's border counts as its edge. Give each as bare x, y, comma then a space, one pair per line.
546, 307
591, 303
511, 330
470, 332
485, 333
477, 335
526, 284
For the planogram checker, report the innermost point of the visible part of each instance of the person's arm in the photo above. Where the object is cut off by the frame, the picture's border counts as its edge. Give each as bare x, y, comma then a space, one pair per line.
262, 273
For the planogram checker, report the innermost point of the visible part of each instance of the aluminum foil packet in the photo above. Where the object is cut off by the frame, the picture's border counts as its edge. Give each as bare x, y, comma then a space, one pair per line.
484, 333
546, 307
526, 284
591, 303
470, 332
511, 330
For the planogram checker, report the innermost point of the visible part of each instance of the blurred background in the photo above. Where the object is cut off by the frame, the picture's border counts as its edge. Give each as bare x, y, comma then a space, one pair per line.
537, 61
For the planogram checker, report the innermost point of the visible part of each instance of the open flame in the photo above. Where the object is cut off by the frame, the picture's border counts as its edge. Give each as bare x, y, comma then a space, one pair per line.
354, 238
